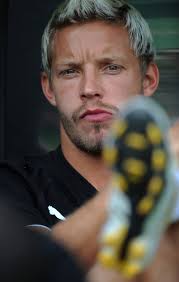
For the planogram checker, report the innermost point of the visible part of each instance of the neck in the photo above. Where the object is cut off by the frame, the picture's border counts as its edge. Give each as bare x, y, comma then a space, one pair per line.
91, 167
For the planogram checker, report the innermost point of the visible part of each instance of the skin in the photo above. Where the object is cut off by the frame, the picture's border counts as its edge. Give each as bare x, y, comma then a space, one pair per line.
93, 69
173, 137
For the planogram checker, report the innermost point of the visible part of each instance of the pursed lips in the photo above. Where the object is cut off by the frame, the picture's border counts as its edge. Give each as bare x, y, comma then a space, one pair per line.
97, 115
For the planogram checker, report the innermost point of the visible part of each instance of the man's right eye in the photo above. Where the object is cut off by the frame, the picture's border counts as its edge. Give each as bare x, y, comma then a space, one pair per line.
68, 72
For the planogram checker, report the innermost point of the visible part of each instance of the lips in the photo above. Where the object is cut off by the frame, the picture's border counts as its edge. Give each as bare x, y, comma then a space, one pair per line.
97, 115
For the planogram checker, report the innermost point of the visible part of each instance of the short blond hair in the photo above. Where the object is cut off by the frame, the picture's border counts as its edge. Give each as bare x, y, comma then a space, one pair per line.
115, 11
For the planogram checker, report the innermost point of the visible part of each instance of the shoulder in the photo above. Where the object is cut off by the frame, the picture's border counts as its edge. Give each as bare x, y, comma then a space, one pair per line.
23, 185
26, 166
24, 177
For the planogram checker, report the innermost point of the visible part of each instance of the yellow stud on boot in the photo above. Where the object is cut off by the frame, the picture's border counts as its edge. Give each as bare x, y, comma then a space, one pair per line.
110, 155
158, 159
155, 185
131, 269
120, 182
136, 141
137, 250
145, 205
116, 238
135, 167
118, 128
154, 134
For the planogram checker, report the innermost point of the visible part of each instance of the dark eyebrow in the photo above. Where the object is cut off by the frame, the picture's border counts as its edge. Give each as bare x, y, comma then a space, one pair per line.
110, 59
102, 60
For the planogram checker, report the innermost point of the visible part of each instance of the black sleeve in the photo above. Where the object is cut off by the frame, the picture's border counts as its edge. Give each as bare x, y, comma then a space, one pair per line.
19, 191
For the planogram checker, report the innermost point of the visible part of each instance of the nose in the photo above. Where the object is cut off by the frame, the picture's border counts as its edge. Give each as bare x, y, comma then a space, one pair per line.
90, 85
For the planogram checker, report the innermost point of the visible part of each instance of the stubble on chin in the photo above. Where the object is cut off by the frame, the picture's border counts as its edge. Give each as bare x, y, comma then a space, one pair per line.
88, 139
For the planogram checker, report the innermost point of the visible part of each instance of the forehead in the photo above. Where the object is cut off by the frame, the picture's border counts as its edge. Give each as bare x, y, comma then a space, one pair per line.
91, 39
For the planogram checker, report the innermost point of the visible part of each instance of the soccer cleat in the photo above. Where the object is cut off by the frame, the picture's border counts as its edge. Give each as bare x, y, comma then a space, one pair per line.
143, 189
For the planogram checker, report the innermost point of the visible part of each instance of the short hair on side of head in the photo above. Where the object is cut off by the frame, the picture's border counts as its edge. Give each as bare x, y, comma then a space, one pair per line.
114, 11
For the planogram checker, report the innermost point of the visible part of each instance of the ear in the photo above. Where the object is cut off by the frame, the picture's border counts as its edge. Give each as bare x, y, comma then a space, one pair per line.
151, 80
47, 89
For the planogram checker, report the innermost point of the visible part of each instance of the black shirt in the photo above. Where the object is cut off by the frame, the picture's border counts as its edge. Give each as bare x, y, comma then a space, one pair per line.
43, 188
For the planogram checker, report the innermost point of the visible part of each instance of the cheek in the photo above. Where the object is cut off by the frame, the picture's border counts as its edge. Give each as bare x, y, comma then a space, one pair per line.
67, 104
66, 96
133, 83
122, 88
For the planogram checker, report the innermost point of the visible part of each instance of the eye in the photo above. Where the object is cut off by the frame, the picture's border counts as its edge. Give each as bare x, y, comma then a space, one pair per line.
113, 68
68, 73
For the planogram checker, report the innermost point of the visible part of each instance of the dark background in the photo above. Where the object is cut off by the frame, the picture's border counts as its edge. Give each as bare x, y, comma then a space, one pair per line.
28, 125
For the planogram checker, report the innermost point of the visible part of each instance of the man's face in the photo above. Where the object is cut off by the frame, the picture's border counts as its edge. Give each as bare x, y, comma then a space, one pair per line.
94, 72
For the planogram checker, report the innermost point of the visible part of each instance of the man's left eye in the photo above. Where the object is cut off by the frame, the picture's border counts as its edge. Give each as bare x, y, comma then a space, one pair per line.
113, 68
